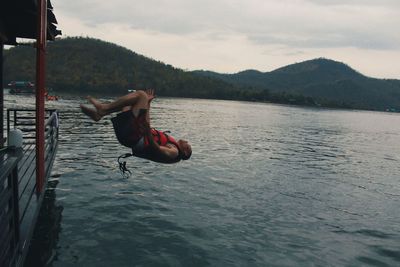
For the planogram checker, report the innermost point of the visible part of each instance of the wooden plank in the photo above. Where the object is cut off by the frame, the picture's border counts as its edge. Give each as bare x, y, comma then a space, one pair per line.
6, 168
26, 172
28, 223
5, 240
5, 198
4, 225
8, 251
5, 258
28, 151
27, 197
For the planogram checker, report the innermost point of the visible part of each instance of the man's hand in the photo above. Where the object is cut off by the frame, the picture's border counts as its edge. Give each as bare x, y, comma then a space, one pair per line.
150, 95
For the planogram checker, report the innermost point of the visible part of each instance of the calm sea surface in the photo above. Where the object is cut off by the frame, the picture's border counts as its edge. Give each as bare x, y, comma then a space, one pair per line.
267, 185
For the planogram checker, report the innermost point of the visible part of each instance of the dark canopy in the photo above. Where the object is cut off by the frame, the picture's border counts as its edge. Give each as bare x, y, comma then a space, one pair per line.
18, 19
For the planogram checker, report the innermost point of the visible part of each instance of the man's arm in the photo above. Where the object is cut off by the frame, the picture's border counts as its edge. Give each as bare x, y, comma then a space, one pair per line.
150, 96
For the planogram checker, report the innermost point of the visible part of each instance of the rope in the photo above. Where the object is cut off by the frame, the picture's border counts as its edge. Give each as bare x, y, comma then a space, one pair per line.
122, 165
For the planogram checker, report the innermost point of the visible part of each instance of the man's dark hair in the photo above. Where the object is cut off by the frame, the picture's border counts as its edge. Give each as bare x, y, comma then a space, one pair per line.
186, 157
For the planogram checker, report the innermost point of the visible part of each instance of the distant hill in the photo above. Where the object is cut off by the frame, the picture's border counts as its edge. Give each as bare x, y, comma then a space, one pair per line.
86, 65
322, 79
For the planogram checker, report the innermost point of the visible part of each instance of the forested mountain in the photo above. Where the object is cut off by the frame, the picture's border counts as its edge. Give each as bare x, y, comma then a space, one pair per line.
85, 65
324, 80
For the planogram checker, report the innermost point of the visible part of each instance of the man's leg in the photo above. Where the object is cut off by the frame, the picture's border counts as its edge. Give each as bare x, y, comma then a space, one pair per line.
133, 101
90, 112
136, 100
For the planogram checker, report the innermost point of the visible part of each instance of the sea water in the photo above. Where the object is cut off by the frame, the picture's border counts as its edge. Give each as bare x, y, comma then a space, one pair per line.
267, 185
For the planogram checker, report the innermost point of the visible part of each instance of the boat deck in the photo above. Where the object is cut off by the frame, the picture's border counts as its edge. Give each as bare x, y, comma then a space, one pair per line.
20, 200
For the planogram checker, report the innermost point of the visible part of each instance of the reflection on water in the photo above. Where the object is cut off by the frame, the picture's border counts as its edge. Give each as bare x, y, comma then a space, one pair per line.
266, 185
43, 245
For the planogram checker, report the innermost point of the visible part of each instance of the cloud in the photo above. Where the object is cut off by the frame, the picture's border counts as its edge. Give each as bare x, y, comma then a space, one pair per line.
308, 23
385, 3
235, 34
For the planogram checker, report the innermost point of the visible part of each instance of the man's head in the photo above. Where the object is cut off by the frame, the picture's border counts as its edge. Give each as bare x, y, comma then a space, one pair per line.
185, 149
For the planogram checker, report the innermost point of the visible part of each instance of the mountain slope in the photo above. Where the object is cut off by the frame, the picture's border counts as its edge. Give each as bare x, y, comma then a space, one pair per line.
86, 65
89, 65
324, 80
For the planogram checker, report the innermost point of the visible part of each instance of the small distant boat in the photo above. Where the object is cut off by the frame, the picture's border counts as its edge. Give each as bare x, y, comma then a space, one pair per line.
50, 97
131, 90
21, 87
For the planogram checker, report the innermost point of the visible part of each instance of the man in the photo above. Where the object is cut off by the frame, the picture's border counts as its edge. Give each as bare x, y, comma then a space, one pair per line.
132, 128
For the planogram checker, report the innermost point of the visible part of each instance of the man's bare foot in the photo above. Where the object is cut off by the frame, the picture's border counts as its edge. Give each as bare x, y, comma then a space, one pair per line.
91, 113
97, 104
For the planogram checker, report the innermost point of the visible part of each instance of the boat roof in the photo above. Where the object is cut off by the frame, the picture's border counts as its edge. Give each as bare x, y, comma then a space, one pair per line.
18, 19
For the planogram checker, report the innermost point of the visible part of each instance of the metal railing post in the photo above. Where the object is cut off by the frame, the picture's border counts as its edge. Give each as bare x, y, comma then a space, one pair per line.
40, 84
1, 95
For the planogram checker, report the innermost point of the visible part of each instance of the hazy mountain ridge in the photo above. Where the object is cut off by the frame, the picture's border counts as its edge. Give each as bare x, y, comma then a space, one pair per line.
321, 79
89, 65
86, 65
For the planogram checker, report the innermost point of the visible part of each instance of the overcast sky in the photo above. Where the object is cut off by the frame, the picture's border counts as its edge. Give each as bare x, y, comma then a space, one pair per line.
233, 35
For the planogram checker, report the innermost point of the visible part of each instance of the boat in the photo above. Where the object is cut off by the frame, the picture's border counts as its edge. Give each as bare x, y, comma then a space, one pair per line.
21, 87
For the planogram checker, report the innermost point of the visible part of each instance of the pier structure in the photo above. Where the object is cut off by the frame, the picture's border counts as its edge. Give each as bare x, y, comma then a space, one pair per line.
25, 168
